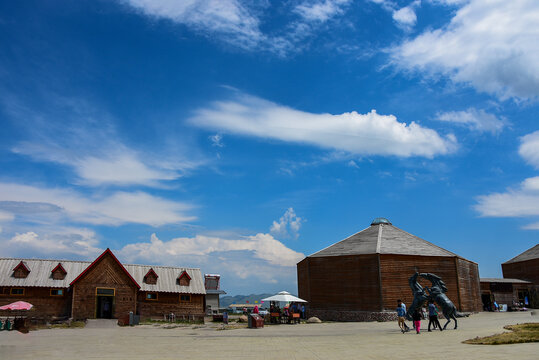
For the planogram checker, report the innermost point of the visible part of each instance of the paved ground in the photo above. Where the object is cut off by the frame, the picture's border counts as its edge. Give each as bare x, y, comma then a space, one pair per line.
306, 341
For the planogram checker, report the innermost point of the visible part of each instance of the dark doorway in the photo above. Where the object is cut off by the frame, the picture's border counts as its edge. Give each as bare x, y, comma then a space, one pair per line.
104, 307
487, 302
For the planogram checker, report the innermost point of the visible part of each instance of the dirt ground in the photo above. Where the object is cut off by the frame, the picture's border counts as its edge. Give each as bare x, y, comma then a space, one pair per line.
340, 341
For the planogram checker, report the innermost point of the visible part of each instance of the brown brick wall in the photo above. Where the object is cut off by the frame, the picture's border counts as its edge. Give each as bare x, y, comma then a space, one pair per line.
107, 273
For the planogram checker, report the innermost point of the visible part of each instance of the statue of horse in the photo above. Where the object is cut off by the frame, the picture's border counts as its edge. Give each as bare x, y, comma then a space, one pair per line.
419, 296
437, 294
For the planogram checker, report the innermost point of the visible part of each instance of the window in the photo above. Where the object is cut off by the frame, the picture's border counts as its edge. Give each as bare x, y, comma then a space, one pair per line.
17, 291
150, 277
184, 279
57, 292
4, 291
185, 298
151, 296
104, 291
59, 273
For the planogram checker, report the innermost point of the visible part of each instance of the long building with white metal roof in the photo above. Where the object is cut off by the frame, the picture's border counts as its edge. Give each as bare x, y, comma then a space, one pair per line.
104, 288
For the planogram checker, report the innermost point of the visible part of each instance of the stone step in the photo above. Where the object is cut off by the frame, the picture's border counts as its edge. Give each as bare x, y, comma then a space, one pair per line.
101, 323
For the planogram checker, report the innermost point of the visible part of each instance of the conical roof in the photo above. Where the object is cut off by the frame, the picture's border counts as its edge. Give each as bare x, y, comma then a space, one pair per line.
383, 238
529, 254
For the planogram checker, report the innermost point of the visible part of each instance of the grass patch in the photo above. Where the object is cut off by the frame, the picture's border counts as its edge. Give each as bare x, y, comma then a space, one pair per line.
520, 333
70, 325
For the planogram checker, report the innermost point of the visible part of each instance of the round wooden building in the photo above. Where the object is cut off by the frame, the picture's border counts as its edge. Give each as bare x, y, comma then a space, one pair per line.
363, 276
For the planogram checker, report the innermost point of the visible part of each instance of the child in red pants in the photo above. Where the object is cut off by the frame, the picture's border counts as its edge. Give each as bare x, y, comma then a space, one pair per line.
416, 316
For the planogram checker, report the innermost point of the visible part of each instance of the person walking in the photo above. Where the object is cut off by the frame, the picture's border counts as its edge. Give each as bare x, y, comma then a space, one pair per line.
433, 316
416, 316
401, 313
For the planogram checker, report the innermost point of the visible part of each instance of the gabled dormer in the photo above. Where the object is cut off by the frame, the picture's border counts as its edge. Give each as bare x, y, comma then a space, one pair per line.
184, 279
21, 271
151, 277
58, 273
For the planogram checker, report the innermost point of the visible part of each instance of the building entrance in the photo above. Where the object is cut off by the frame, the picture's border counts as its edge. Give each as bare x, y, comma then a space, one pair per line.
104, 303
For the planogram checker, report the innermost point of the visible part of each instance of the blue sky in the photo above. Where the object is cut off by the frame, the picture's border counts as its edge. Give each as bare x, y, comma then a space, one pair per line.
239, 136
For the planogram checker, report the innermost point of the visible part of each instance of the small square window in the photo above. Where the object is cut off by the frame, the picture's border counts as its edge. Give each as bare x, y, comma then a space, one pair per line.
185, 298
4, 291
57, 292
17, 291
151, 296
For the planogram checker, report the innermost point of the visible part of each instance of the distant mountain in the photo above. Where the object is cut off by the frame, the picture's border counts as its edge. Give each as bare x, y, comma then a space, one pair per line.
225, 301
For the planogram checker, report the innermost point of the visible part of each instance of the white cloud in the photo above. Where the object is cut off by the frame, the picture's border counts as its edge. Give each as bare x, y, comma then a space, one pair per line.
406, 17
520, 202
217, 140
87, 141
6, 216
230, 19
114, 209
262, 246
321, 10
491, 45
288, 225
529, 148
61, 242
259, 260
238, 22
534, 226
478, 120
370, 134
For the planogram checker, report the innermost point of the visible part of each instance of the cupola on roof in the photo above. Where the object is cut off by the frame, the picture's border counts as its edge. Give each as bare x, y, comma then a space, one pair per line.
380, 220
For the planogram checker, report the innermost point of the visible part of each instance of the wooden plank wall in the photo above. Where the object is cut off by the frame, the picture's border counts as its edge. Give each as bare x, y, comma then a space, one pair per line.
303, 280
397, 269
469, 286
167, 303
45, 305
340, 282
524, 270
107, 274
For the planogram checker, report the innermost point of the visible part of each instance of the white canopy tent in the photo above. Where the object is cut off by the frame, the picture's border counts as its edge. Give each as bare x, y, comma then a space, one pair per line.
284, 296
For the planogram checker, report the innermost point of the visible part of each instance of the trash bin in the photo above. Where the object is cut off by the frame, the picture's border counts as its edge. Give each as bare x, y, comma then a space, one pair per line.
256, 321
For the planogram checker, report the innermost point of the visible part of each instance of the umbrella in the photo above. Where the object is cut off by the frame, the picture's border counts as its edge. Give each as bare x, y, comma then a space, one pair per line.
284, 296
17, 305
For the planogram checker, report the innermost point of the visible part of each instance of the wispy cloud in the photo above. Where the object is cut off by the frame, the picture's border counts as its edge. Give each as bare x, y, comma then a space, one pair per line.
476, 120
76, 134
217, 140
238, 22
116, 208
490, 45
368, 134
232, 20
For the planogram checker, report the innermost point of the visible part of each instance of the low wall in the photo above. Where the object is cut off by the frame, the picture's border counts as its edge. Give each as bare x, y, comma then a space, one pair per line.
335, 315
